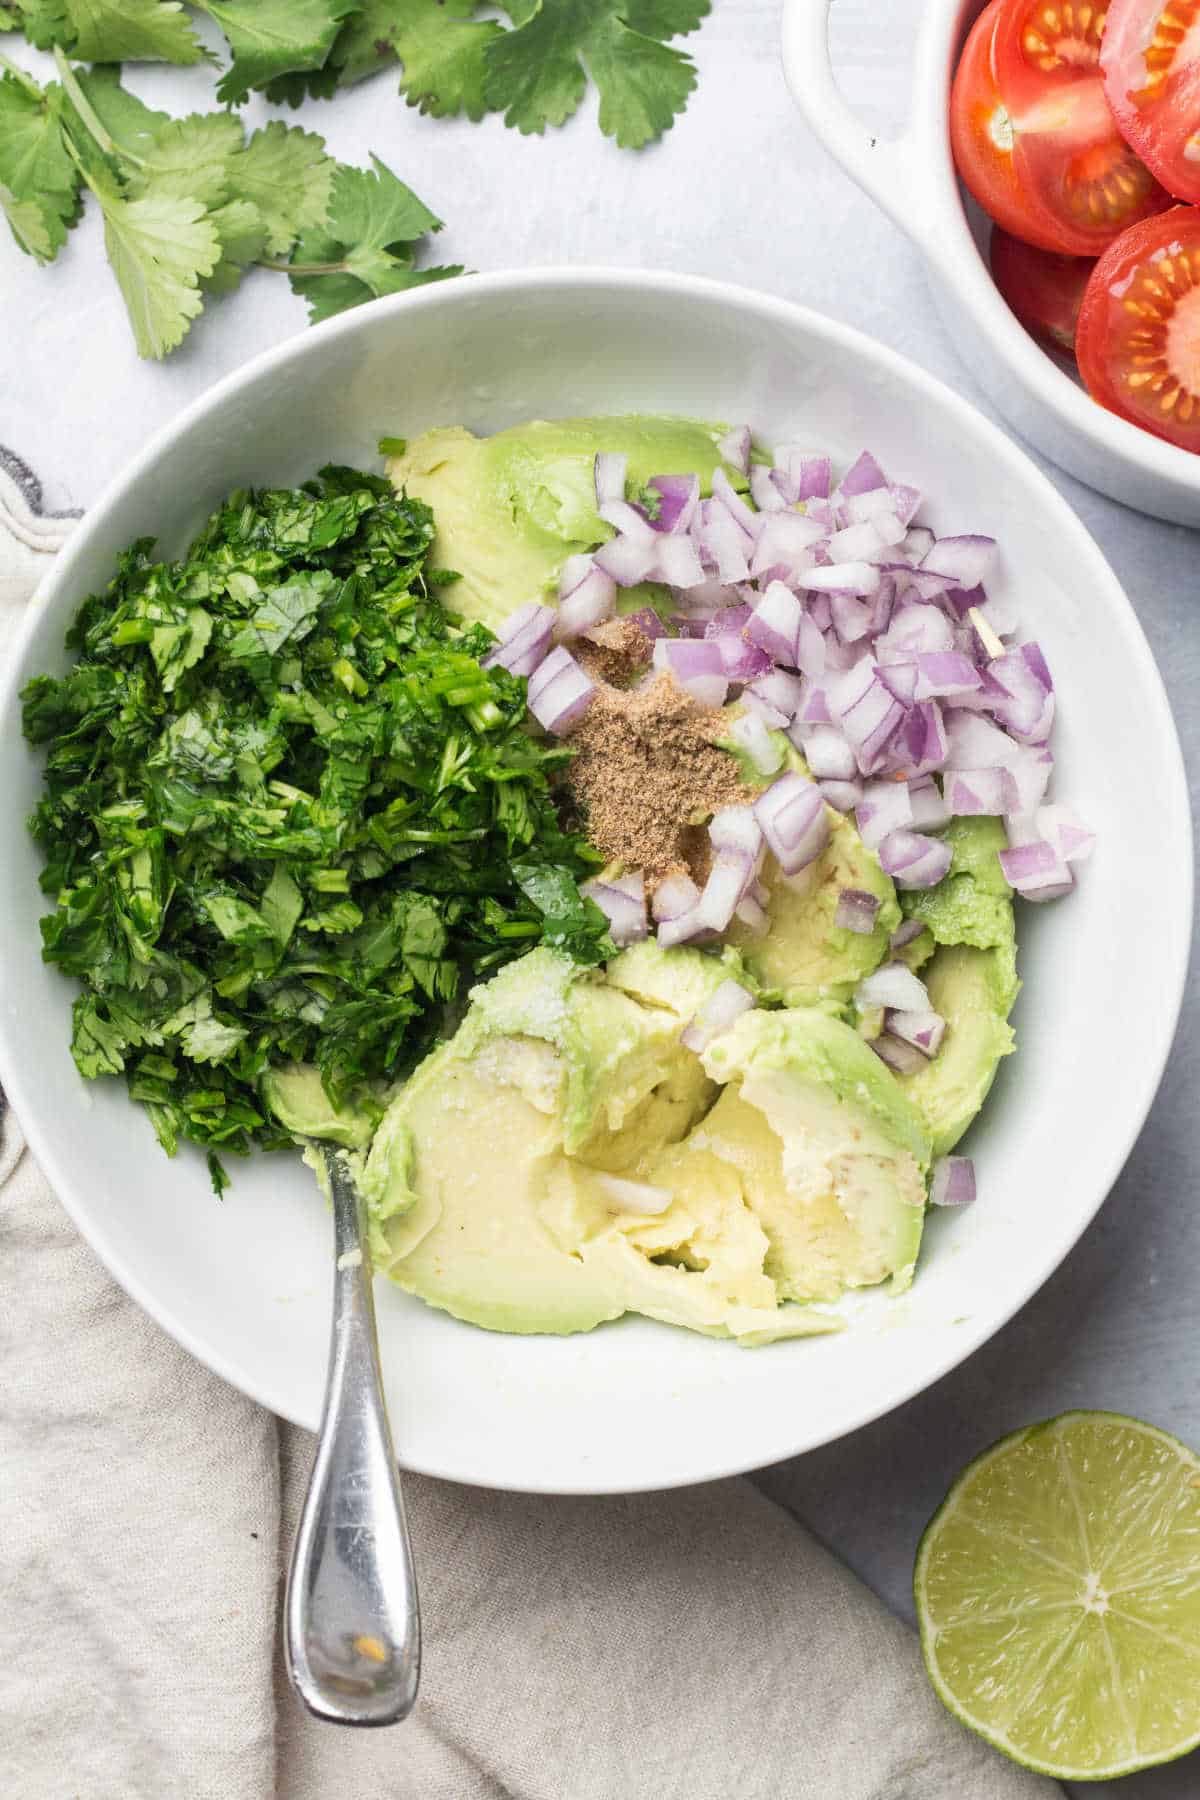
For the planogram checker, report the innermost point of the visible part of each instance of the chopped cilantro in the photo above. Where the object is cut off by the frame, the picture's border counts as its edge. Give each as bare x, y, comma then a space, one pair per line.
287, 814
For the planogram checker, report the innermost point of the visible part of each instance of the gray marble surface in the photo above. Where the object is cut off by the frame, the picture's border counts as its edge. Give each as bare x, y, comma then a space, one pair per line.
737, 190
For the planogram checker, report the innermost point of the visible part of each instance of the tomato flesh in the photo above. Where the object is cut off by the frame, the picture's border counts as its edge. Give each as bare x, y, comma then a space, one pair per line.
1138, 338
1044, 290
1151, 62
1033, 136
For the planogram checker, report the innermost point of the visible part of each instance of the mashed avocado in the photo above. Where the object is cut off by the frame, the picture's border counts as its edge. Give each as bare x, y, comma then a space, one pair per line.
509, 509
564, 1159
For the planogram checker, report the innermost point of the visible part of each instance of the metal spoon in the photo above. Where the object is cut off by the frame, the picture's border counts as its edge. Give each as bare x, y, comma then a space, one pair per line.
352, 1623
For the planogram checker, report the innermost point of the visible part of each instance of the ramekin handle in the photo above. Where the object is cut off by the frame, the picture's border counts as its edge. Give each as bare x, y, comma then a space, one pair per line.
884, 167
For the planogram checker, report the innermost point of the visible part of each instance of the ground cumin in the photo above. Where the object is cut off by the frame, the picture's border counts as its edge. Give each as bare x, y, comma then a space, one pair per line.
647, 773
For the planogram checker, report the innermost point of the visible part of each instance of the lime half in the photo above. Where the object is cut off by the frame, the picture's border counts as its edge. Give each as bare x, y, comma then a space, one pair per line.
1058, 1595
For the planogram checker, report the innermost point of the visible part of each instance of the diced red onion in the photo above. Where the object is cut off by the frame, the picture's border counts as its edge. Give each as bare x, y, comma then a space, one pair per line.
751, 912
885, 807
774, 624
848, 577
915, 630
625, 911
856, 911
589, 602
785, 545
905, 934
966, 560
679, 497
627, 520
722, 542
734, 447
805, 471
765, 491
868, 713
919, 542
753, 737
893, 986
904, 1058
782, 691
559, 692
952, 1182
828, 755
976, 791
610, 470
742, 661
524, 640
723, 1008
793, 820
905, 501
678, 562
674, 896
872, 503
1027, 709
1059, 826
851, 617
843, 796
771, 717
728, 882
648, 623
628, 562
1036, 871
724, 491
734, 831
944, 672
922, 1028
900, 679
696, 665
929, 809
913, 860
862, 476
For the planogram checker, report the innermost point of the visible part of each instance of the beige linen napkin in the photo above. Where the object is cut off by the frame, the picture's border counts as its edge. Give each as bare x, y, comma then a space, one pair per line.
696, 1644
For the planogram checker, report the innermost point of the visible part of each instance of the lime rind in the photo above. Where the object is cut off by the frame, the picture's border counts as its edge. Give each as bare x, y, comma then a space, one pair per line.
1057, 1590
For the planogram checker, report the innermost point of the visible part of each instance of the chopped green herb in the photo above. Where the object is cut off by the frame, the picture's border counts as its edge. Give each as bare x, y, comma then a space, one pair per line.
287, 814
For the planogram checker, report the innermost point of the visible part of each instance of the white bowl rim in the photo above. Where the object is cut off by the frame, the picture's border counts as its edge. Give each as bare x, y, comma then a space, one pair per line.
917, 186
19, 1083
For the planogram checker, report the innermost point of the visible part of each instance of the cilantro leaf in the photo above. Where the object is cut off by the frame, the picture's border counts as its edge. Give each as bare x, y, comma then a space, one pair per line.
285, 173
439, 42
270, 38
536, 72
189, 158
40, 181
159, 247
287, 814
111, 31
365, 247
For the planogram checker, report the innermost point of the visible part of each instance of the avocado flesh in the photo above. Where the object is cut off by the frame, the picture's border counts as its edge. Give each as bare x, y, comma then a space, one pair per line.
509, 509
971, 979
803, 955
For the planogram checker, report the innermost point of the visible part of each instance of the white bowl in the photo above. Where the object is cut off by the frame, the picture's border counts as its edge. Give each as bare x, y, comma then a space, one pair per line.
912, 178
245, 1283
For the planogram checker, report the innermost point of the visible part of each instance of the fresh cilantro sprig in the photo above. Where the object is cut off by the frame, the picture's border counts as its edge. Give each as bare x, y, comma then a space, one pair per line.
190, 204
287, 814
454, 57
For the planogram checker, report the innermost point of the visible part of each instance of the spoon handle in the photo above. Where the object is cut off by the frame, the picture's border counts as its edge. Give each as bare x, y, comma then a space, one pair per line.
352, 1623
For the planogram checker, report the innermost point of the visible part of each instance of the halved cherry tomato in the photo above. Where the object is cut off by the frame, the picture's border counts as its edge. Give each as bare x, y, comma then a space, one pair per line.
1151, 62
1138, 338
1042, 288
1033, 136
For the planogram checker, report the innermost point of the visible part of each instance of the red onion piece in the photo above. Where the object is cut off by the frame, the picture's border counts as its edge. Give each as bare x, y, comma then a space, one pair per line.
753, 737
855, 543
559, 692
724, 491
785, 545
1036, 871
904, 1058
678, 562
674, 896
905, 501
868, 714
929, 809
609, 476
886, 807
793, 820
782, 691
848, 577
952, 1182
590, 602
774, 624
921, 1027
723, 544
856, 911
913, 860
723, 1008
648, 623
625, 911
734, 831
764, 491
628, 562
828, 755
905, 934
751, 912
976, 791
734, 447
524, 640
843, 796
919, 542
967, 561
627, 520
1059, 826
862, 475
893, 986
944, 672
679, 497
696, 666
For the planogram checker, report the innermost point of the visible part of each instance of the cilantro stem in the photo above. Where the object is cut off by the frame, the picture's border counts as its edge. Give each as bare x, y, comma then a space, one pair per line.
88, 118
21, 77
295, 268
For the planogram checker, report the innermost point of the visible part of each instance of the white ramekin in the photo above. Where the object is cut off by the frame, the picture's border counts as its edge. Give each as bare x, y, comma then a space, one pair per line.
912, 178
